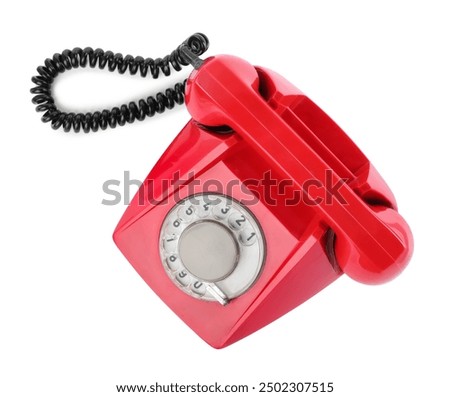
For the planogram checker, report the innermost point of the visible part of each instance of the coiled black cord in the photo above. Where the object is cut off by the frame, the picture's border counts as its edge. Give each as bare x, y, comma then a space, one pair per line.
191, 48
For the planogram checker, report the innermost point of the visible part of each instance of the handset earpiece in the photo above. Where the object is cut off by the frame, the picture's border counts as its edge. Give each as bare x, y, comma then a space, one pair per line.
373, 243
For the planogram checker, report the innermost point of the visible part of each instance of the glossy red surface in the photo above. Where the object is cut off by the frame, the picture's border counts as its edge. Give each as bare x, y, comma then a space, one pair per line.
277, 129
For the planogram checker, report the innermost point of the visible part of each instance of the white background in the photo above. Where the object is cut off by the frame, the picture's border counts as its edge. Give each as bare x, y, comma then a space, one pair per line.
75, 317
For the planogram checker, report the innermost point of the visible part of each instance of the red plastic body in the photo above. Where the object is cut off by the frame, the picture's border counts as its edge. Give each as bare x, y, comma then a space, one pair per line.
277, 129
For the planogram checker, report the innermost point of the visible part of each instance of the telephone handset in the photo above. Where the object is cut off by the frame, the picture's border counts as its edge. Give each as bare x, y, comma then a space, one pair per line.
242, 219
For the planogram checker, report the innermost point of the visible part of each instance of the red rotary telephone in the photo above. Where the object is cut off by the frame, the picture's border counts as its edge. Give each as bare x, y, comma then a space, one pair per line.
259, 203
226, 268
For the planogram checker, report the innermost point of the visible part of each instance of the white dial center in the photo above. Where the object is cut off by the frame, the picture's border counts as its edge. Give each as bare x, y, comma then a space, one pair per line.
208, 250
